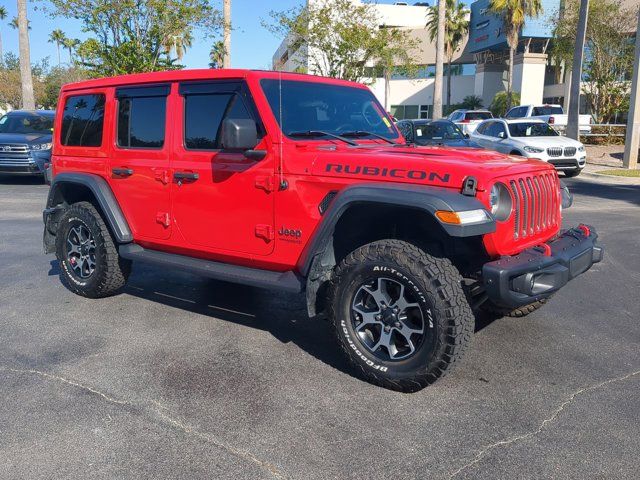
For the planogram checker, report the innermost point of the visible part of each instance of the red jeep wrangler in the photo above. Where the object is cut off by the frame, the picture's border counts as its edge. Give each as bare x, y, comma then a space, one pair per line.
304, 184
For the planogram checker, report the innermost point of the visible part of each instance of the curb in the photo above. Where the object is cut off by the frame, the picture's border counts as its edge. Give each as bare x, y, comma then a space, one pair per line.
612, 178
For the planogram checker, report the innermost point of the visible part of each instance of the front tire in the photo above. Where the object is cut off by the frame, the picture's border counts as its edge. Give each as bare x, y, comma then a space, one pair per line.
399, 314
572, 173
90, 265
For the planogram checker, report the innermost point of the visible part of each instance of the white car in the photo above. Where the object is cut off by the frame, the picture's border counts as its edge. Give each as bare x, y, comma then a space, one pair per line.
533, 139
468, 120
552, 114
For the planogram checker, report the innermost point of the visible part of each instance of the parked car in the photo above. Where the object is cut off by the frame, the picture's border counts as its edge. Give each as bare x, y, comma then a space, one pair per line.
25, 141
434, 132
302, 184
468, 120
552, 114
532, 138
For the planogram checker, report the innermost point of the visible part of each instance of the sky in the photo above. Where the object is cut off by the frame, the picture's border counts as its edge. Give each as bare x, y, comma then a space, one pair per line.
252, 46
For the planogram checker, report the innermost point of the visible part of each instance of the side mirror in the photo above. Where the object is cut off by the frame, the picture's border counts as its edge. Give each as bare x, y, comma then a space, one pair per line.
501, 135
466, 135
239, 134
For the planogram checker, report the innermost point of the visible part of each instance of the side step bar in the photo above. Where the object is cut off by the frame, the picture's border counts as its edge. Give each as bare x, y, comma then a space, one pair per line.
287, 281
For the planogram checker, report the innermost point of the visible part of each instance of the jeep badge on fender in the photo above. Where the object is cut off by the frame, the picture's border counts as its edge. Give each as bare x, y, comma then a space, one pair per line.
384, 239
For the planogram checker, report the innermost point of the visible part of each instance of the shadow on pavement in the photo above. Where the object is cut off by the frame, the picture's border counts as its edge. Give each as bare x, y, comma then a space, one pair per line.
608, 191
21, 180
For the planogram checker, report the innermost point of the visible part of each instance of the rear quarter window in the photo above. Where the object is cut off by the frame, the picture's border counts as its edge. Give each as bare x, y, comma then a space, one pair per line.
83, 121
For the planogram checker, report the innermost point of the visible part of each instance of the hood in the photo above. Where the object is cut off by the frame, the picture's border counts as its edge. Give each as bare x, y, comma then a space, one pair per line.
439, 166
25, 138
544, 142
463, 142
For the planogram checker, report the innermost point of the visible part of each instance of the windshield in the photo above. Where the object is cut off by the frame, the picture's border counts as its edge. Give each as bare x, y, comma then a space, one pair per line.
526, 129
26, 123
547, 111
437, 131
477, 115
311, 107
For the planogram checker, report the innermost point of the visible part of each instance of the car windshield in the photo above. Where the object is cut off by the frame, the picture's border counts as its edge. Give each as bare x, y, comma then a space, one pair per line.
437, 131
547, 110
526, 129
26, 123
477, 115
315, 109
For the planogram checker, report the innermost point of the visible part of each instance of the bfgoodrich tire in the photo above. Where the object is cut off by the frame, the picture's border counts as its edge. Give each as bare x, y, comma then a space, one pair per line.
399, 314
88, 257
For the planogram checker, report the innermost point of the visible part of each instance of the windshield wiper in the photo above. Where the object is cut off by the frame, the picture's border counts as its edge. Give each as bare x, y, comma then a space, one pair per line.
320, 133
364, 133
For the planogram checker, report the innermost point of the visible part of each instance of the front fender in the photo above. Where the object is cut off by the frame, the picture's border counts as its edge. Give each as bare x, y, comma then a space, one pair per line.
425, 198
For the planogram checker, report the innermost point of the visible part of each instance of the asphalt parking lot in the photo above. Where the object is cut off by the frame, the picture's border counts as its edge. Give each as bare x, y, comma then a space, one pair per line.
181, 377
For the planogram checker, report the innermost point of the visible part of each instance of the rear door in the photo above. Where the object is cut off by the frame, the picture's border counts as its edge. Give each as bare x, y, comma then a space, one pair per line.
140, 160
227, 205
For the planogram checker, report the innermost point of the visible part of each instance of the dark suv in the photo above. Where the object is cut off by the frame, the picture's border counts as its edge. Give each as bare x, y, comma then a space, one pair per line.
25, 141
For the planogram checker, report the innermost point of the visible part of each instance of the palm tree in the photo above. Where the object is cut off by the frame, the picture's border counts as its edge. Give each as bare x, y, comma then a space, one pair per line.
58, 37
514, 13
178, 43
3, 15
216, 55
437, 86
14, 23
227, 34
70, 44
28, 101
456, 28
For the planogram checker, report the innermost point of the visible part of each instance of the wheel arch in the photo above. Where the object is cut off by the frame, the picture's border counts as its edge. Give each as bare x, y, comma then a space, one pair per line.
69, 188
408, 213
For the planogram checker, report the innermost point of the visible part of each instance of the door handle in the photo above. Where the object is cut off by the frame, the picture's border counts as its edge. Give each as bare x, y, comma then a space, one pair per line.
185, 177
122, 172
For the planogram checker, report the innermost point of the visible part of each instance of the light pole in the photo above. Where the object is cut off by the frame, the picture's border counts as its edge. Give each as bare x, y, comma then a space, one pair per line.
573, 128
632, 140
226, 62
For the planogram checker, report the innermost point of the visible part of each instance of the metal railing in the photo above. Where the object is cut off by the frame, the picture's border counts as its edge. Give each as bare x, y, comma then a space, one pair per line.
608, 130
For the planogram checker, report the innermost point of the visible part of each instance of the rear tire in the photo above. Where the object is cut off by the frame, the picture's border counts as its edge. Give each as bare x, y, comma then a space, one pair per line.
87, 254
416, 299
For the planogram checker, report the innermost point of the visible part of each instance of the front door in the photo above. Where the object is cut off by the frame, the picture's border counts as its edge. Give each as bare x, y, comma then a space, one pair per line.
139, 167
222, 200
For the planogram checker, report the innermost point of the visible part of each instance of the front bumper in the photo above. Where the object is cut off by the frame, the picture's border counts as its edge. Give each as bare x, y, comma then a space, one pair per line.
538, 272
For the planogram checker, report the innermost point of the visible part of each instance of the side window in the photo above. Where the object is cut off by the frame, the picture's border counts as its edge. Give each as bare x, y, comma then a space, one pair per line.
482, 128
83, 121
495, 129
203, 118
141, 121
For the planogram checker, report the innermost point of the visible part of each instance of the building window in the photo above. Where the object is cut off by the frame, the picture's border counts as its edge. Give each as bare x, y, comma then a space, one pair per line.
83, 121
425, 111
410, 112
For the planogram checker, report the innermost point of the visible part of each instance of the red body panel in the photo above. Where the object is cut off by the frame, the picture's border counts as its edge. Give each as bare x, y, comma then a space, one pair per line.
235, 211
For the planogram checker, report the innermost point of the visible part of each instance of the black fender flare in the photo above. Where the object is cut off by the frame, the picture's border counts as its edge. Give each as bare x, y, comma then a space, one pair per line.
102, 193
424, 198
316, 261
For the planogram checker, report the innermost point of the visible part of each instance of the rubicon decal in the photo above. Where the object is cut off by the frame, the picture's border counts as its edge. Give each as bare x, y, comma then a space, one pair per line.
387, 172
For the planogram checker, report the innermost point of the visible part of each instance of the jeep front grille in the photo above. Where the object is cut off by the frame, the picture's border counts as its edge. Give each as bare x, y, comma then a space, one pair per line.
535, 204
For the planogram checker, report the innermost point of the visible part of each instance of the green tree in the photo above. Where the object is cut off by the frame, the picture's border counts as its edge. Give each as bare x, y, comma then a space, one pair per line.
456, 28
339, 38
128, 36
14, 23
608, 56
502, 102
58, 37
3, 15
71, 44
216, 55
472, 102
514, 14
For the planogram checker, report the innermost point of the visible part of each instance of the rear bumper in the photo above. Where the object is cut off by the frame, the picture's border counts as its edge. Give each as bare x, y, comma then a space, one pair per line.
538, 272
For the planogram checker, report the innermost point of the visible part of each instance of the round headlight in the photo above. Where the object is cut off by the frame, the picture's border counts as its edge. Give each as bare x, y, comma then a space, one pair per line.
500, 202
